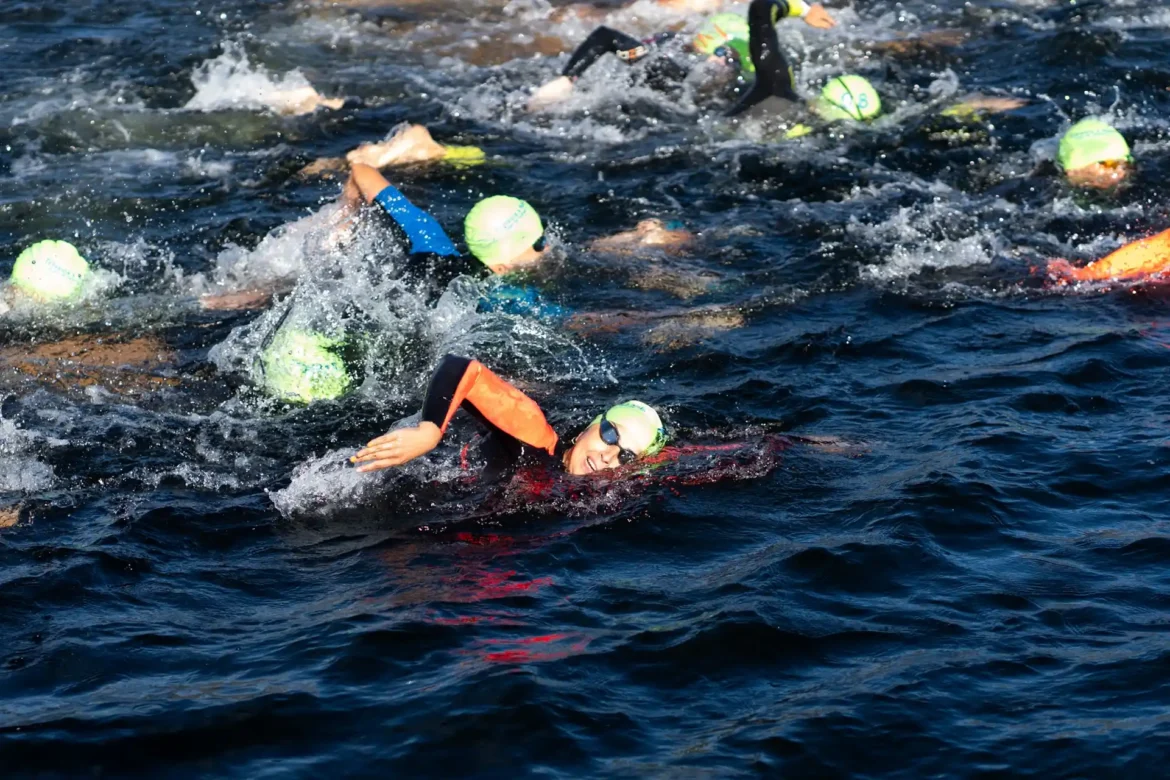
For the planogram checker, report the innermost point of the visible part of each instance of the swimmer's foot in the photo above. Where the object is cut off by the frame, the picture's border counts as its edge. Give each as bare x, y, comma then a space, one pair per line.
9, 516
411, 144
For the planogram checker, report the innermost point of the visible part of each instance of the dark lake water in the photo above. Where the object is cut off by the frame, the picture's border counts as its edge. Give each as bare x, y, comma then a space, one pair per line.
976, 586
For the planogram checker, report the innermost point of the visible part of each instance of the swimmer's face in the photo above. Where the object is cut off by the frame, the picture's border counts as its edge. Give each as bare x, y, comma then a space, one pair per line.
529, 258
1100, 176
589, 454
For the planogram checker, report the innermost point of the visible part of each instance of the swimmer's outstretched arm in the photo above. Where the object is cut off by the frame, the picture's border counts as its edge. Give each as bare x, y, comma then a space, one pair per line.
1138, 258
600, 42
423, 233
459, 382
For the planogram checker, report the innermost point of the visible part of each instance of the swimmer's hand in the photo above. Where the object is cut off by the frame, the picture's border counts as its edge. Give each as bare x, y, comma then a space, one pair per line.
818, 17
411, 144
1062, 271
551, 93
398, 447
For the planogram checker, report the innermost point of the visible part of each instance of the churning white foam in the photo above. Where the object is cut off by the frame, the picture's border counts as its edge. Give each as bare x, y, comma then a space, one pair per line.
231, 81
20, 472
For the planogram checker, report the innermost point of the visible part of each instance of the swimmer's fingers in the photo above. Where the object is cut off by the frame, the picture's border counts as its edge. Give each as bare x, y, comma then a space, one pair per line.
385, 438
380, 465
398, 447
381, 457
818, 17
383, 450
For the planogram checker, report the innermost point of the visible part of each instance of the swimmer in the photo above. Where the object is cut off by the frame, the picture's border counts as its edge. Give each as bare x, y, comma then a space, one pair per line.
506, 236
724, 38
517, 428
49, 273
300, 365
54, 274
843, 98
1146, 257
1093, 155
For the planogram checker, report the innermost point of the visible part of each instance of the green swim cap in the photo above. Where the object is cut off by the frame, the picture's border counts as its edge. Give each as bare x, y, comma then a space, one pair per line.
720, 29
303, 366
50, 271
641, 427
500, 228
1091, 141
848, 97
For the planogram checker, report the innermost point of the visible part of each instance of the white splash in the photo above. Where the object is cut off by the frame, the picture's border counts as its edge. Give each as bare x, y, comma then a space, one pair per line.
231, 81
18, 471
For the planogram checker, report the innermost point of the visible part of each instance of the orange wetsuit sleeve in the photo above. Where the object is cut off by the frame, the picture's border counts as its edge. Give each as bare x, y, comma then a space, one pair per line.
458, 381
1139, 258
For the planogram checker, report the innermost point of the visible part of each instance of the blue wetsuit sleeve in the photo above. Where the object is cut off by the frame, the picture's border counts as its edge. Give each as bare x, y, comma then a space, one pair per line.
422, 231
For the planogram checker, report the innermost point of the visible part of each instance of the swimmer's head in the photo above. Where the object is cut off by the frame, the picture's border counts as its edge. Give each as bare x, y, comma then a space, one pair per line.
1093, 154
50, 272
726, 36
625, 433
504, 233
302, 366
848, 97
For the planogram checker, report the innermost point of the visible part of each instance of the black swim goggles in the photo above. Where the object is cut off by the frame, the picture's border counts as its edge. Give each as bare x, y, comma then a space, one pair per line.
538, 244
609, 435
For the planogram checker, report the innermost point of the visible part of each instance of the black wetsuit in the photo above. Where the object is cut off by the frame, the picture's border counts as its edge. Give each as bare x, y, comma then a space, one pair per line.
663, 72
526, 434
432, 255
773, 73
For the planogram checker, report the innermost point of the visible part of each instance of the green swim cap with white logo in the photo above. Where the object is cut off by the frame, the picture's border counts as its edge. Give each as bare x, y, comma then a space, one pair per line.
1091, 141
642, 431
303, 366
500, 228
50, 271
848, 97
